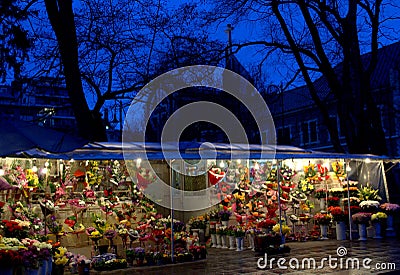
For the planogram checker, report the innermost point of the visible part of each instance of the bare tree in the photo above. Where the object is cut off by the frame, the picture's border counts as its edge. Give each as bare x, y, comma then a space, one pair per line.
15, 41
112, 49
327, 38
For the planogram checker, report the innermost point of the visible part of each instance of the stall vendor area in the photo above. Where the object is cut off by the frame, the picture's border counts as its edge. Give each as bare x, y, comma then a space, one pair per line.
102, 208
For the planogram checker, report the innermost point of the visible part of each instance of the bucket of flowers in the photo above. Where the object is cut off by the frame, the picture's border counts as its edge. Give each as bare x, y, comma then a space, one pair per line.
139, 253
361, 218
333, 201
224, 215
338, 215
266, 225
390, 208
369, 206
323, 218
379, 217
60, 260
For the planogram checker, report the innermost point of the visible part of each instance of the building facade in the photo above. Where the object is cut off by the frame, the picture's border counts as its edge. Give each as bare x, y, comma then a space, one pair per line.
44, 101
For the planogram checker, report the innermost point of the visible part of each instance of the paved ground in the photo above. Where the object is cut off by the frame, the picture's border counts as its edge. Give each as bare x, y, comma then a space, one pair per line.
224, 261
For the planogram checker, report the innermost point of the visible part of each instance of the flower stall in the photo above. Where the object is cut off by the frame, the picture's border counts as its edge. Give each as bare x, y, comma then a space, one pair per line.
103, 206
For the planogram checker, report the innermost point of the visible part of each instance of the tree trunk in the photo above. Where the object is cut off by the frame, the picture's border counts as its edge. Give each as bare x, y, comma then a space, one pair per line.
61, 16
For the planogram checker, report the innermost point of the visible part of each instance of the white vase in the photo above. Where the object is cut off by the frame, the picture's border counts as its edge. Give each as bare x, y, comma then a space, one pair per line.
322, 203
362, 231
219, 241
223, 241
340, 231
202, 237
214, 240
231, 242
390, 232
378, 228
239, 243
224, 223
324, 231
250, 237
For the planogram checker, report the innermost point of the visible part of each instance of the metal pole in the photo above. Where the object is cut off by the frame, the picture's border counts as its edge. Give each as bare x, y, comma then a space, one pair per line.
348, 198
384, 181
120, 119
172, 209
279, 202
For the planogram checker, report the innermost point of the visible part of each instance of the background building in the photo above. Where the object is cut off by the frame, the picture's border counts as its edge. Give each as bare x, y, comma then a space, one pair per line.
43, 101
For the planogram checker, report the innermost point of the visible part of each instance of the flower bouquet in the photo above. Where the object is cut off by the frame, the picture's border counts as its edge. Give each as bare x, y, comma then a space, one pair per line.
60, 258
285, 229
336, 192
239, 231
333, 201
369, 206
304, 217
266, 224
224, 215
378, 217
306, 187
338, 168
47, 207
338, 215
139, 252
323, 218
110, 234
368, 193
298, 196
123, 233
77, 206
133, 236
361, 218
390, 208
215, 175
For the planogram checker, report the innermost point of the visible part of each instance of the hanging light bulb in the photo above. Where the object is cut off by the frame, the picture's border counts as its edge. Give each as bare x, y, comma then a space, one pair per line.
239, 161
367, 160
221, 164
46, 164
138, 162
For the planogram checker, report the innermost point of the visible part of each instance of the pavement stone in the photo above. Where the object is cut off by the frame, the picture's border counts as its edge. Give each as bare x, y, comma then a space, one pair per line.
224, 261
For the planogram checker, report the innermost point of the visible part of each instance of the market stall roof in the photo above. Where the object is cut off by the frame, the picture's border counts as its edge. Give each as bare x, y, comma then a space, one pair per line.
191, 150
18, 136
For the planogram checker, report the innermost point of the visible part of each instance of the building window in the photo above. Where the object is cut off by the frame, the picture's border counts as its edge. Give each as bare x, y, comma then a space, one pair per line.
284, 135
309, 132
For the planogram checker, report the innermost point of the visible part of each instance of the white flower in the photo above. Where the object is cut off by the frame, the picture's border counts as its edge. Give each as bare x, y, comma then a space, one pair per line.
369, 204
